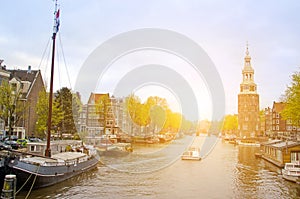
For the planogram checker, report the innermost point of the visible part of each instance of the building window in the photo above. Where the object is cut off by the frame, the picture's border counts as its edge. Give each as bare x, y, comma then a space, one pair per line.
277, 127
277, 121
295, 156
277, 115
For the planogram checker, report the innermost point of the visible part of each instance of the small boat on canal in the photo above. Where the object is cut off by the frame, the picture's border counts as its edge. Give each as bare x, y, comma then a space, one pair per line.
248, 142
291, 171
192, 153
115, 149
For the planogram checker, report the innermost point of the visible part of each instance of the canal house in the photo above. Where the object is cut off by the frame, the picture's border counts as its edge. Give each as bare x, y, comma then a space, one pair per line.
280, 152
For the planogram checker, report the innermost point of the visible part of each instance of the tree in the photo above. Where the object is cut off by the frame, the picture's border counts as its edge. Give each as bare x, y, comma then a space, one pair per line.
11, 105
131, 105
102, 106
230, 124
67, 102
76, 107
158, 117
157, 109
156, 113
42, 109
291, 110
173, 121
186, 125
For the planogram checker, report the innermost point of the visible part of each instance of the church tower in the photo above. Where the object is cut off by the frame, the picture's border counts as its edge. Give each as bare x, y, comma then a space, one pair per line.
248, 102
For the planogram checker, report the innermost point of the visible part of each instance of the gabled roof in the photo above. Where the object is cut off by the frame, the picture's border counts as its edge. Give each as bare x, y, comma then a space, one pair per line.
94, 97
278, 107
23, 75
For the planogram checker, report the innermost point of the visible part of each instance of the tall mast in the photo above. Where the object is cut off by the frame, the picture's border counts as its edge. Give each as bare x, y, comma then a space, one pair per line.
55, 29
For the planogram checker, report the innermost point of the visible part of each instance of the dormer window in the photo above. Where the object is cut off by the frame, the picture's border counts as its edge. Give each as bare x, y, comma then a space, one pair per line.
14, 86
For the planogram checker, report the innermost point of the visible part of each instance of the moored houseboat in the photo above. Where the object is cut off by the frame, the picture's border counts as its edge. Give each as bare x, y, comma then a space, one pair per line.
38, 171
280, 152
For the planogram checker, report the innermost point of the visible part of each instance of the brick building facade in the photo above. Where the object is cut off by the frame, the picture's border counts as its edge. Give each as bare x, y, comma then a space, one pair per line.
29, 83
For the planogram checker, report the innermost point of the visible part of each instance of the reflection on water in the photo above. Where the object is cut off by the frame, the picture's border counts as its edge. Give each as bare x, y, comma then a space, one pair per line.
227, 172
261, 179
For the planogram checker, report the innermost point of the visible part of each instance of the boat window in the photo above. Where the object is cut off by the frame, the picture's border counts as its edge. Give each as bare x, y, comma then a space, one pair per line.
31, 148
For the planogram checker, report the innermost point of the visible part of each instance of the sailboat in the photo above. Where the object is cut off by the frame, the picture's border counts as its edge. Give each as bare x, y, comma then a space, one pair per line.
34, 171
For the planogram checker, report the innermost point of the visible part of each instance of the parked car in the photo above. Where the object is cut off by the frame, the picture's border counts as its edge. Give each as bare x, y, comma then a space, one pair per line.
13, 144
32, 139
4, 146
12, 137
22, 142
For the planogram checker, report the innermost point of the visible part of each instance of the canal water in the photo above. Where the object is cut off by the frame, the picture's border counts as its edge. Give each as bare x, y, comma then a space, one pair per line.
156, 171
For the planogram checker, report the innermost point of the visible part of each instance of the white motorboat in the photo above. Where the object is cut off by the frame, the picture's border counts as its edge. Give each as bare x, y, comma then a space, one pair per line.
192, 153
291, 171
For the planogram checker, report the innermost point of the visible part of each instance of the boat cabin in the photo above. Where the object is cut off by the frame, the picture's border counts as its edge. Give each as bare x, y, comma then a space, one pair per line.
59, 146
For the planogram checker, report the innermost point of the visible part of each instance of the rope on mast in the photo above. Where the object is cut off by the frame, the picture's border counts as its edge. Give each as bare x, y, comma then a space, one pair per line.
65, 63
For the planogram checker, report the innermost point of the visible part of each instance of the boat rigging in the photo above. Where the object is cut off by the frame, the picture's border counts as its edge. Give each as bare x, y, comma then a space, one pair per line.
55, 30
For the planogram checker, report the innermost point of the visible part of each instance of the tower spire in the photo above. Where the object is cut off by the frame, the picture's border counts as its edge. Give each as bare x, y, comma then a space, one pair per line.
247, 50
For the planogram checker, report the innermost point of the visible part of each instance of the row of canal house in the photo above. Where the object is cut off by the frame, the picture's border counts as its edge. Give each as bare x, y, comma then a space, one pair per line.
284, 145
99, 123
280, 152
276, 127
114, 122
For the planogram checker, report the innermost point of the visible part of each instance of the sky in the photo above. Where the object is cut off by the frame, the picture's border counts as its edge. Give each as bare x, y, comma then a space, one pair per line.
220, 28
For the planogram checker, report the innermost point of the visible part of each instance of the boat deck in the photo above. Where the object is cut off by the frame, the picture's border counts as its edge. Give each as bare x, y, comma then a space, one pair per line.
69, 155
57, 159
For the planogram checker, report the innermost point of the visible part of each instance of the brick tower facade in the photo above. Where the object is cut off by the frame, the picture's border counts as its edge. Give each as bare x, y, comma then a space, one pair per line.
248, 102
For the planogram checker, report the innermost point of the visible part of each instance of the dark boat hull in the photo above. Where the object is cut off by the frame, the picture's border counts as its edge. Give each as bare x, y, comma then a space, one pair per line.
113, 153
43, 176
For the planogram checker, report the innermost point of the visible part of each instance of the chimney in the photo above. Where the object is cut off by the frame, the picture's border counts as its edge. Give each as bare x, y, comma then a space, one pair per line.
29, 69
